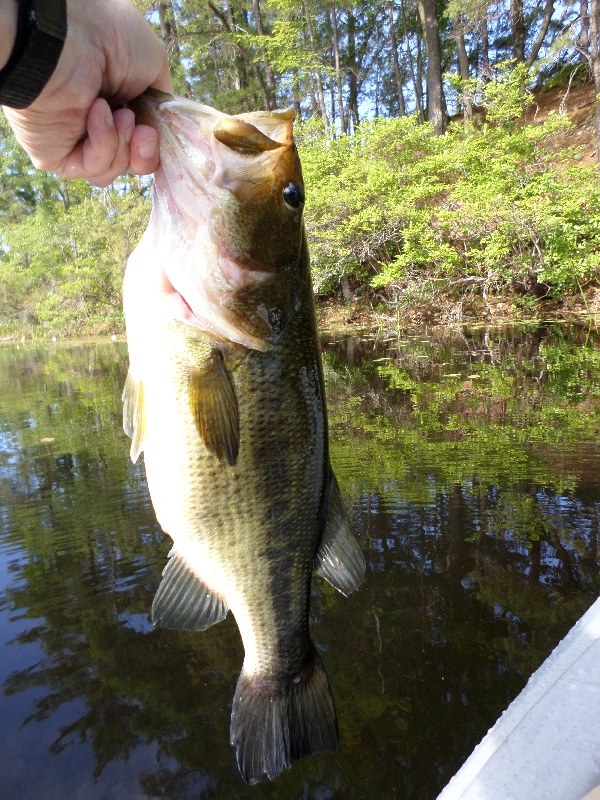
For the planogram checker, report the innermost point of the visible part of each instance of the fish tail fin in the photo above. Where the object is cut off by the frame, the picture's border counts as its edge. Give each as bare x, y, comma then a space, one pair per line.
277, 721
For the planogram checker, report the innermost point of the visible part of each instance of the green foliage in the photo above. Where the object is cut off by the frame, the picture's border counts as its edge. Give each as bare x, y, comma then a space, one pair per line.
63, 248
490, 209
401, 212
504, 97
62, 270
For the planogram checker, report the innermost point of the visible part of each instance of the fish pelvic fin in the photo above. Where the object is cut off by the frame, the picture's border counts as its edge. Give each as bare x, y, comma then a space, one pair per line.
339, 559
183, 601
275, 721
134, 420
214, 406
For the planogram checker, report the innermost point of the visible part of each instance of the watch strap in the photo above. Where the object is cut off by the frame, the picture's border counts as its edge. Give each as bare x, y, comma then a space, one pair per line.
41, 33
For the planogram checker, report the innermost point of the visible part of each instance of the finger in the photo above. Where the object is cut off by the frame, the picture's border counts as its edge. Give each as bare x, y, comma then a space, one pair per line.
100, 148
94, 155
104, 155
124, 122
144, 155
163, 80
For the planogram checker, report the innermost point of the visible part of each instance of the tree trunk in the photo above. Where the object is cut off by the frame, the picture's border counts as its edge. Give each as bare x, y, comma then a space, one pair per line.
215, 60
415, 81
167, 29
517, 23
267, 66
266, 96
463, 66
423, 101
243, 61
594, 37
241, 74
485, 49
397, 71
338, 73
310, 82
168, 33
296, 94
347, 293
436, 102
318, 79
548, 11
352, 70
461, 49
583, 40
64, 194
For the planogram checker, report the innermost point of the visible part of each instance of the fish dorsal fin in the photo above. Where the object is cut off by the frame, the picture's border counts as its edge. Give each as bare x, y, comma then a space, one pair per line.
339, 559
183, 601
214, 406
134, 419
243, 137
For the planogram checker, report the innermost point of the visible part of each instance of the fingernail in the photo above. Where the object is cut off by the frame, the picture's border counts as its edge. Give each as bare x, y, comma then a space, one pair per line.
148, 148
128, 132
108, 115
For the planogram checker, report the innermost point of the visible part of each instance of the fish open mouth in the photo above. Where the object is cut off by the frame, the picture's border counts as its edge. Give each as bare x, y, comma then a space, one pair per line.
212, 203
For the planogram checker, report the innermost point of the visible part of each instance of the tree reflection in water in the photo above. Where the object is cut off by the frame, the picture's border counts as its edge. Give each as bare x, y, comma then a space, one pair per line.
471, 463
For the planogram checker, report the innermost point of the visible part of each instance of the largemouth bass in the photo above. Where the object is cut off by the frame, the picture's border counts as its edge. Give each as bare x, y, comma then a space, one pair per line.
225, 398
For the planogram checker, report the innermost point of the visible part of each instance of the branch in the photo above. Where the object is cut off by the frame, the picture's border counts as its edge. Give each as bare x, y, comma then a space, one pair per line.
548, 11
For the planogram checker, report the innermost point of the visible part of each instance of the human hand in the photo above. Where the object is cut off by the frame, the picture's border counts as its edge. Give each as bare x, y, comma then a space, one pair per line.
110, 55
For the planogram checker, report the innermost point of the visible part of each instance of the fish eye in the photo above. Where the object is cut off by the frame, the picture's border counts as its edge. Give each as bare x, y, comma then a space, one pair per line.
293, 195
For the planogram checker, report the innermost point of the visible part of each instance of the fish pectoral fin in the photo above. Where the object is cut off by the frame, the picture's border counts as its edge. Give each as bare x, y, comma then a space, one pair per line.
134, 420
183, 601
214, 406
339, 559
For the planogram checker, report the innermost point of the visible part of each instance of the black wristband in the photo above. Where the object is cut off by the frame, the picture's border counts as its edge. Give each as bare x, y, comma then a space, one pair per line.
41, 34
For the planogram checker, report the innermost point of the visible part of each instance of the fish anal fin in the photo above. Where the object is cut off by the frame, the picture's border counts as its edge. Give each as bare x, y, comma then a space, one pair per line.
134, 419
214, 406
275, 721
183, 601
339, 559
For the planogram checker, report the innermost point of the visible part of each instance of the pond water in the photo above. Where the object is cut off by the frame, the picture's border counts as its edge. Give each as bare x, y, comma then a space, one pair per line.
470, 461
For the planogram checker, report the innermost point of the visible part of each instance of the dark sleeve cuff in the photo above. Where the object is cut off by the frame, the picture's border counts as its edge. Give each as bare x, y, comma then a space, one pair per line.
41, 33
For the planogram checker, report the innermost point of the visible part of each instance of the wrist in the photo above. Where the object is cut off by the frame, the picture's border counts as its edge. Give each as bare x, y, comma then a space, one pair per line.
8, 29
41, 30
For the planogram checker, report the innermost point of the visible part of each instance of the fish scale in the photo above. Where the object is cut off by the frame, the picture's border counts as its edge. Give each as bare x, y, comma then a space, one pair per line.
225, 398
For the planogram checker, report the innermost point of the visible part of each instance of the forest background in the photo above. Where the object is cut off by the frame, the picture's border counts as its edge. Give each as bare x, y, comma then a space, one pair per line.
449, 150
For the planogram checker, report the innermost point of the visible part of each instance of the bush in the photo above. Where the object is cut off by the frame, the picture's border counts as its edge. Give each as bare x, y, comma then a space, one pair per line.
489, 209
62, 271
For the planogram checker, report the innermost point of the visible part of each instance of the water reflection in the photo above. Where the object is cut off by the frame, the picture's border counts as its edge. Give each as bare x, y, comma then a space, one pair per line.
471, 464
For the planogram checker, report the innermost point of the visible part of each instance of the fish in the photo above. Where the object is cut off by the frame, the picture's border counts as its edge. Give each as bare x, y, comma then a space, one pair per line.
225, 398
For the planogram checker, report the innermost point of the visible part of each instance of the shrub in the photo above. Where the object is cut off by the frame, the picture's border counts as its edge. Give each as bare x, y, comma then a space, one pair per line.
489, 209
